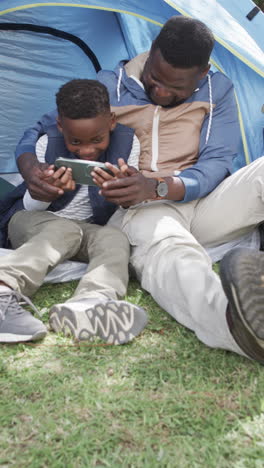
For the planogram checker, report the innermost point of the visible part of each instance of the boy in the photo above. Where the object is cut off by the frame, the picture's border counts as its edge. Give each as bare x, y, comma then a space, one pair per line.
45, 234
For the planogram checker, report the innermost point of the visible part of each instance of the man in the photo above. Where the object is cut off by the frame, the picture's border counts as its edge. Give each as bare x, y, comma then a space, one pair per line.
185, 117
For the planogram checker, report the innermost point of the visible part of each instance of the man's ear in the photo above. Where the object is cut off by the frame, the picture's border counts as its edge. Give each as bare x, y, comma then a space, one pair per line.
204, 72
113, 122
59, 124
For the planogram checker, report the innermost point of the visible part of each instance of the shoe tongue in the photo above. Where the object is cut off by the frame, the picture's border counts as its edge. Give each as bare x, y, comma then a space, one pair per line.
5, 289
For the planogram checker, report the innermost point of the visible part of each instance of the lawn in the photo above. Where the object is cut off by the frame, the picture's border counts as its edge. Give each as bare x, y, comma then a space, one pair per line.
164, 400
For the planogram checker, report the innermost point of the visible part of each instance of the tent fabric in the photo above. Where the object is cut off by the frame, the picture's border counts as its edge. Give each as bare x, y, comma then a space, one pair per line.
34, 65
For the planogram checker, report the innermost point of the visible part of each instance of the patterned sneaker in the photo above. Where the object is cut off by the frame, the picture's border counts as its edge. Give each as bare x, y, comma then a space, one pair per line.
17, 324
115, 322
242, 275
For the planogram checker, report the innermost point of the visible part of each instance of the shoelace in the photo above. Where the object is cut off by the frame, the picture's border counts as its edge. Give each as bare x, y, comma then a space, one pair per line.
13, 299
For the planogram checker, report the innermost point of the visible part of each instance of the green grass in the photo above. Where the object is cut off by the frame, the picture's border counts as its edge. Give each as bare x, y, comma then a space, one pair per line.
164, 400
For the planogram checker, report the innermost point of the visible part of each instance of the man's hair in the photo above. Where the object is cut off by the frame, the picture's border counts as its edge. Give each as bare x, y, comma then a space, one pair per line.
185, 42
82, 99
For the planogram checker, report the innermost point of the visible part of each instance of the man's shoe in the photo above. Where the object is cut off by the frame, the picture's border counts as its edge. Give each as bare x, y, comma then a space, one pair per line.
261, 236
242, 275
115, 322
17, 324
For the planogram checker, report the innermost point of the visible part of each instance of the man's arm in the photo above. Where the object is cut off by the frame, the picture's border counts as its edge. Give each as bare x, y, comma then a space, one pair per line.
129, 187
213, 166
215, 160
27, 143
38, 176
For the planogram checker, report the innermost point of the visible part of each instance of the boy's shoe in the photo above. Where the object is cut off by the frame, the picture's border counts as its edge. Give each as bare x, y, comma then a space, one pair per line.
115, 322
17, 324
242, 275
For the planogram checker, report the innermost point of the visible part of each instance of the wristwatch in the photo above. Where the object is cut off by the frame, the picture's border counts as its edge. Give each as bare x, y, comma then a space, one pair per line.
162, 189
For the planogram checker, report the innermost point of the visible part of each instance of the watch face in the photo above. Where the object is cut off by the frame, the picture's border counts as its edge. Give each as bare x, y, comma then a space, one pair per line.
162, 189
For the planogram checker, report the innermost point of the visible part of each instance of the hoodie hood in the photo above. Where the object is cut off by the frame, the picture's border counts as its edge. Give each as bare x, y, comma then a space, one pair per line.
129, 78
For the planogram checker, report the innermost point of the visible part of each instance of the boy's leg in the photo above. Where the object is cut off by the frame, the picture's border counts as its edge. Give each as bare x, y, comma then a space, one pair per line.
17, 324
107, 251
95, 308
42, 240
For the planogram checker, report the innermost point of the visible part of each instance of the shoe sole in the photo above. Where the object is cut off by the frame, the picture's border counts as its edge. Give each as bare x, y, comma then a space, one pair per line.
11, 338
242, 276
115, 322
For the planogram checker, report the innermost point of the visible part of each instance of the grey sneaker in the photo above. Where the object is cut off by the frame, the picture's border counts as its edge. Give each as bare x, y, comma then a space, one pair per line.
115, 322
17, 324
242, 275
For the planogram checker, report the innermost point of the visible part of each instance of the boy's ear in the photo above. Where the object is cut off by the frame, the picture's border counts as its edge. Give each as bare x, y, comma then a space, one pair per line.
59, 125
113, 122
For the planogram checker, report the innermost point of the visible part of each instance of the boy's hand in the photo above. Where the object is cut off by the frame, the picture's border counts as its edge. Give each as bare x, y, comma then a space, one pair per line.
123, 170
62, 178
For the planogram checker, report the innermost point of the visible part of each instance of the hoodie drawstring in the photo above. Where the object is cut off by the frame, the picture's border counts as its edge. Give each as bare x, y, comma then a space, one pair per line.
211, 109
210, 101
119, 83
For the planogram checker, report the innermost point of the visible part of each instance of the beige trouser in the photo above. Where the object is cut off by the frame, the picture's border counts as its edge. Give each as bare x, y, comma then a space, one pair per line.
43, 240
170, 261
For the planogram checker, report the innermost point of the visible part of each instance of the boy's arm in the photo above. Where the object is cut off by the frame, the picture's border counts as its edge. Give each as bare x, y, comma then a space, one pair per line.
100, 176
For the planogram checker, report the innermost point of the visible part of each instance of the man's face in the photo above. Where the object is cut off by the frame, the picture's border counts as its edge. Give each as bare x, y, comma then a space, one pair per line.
87, 138
166, 85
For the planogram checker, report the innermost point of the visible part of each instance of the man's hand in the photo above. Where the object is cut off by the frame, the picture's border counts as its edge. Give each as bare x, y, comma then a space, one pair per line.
39, 178
129, 187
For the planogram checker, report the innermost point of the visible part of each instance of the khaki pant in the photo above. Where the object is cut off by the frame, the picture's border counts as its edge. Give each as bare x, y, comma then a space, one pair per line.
43, 240
170, 261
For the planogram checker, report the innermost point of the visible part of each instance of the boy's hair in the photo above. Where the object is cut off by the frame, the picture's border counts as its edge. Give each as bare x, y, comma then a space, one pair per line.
82, 99
185, 42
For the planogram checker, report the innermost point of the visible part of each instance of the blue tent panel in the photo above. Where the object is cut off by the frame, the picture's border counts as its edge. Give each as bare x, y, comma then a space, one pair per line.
34, 64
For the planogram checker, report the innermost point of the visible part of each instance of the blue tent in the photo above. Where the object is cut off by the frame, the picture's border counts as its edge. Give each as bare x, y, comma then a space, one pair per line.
45, 44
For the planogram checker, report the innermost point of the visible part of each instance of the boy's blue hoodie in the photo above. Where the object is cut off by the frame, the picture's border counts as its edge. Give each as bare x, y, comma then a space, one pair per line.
120, 145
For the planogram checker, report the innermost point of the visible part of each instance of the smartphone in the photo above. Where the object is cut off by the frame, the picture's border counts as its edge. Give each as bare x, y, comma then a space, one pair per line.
81, 169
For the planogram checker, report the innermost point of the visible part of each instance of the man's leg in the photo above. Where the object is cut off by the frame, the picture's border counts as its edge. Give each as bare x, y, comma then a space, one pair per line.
41, 240
95, 309
242, 274
174, 268
231, 210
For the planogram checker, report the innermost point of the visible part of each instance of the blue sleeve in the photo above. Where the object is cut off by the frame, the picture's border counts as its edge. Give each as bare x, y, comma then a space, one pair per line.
28, 141
215, 159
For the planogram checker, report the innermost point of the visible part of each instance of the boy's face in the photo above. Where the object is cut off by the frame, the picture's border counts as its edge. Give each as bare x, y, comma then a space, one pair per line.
87, 138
